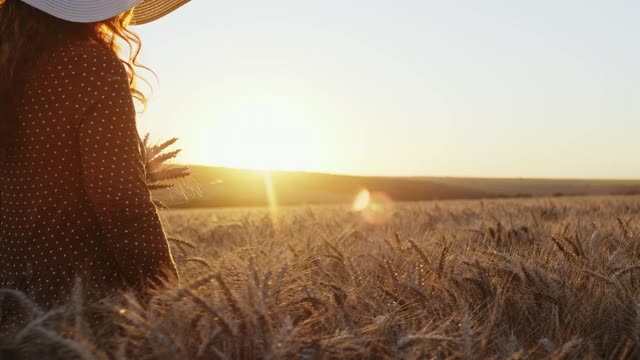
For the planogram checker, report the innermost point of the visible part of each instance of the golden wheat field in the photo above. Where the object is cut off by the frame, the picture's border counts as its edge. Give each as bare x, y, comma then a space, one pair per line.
505, 279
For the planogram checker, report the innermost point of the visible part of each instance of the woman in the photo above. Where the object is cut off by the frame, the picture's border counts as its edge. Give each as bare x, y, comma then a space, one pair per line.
73, 199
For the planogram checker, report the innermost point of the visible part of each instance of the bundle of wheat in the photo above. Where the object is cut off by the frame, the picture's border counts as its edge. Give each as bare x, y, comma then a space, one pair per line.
160, 173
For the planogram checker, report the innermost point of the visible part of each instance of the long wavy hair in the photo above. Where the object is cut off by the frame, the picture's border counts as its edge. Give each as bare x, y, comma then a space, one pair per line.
27, 33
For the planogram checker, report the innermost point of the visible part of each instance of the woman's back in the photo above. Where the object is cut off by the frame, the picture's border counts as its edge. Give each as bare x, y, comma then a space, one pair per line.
73, 199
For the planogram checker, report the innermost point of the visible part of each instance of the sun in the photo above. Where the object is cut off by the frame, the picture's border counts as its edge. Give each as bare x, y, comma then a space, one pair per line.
265, 137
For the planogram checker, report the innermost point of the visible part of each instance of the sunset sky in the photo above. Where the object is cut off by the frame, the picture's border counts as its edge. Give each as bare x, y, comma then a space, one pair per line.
541, 88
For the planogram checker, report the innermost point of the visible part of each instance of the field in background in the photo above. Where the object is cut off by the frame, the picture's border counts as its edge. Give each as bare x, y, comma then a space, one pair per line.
511, 278
523, 187
223, 187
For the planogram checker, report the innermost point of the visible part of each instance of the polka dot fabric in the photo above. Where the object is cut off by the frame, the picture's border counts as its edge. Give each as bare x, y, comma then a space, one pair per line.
73, 198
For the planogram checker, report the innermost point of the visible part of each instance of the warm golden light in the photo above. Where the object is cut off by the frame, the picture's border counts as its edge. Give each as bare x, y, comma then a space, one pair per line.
271, 198
362, 200
375, 208
266, 137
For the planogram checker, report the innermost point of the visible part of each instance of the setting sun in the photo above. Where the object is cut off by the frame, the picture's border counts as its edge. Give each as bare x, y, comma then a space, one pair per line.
265, 137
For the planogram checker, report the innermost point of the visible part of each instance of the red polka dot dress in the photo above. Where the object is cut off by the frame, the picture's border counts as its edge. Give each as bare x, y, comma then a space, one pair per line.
73, 199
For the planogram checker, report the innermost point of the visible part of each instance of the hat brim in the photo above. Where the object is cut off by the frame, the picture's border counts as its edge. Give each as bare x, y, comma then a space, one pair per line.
83, 11
151, 10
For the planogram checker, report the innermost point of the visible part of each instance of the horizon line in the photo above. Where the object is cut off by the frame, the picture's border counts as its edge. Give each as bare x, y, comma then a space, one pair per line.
415, 175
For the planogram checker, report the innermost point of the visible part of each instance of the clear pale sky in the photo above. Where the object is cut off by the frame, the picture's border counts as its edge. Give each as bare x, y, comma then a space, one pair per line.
544, 88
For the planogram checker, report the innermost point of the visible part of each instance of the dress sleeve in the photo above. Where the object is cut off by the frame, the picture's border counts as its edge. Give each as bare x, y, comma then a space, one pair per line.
114, 179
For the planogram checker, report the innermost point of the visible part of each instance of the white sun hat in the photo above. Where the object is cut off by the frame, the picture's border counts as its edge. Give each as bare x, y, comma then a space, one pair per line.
86, 11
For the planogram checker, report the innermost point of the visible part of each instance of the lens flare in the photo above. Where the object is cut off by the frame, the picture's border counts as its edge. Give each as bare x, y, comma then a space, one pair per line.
375, 208
362, 200
272, 199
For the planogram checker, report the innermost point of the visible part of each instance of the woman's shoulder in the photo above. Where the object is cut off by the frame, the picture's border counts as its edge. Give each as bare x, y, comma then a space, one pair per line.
79, 61
87, 55
78, 71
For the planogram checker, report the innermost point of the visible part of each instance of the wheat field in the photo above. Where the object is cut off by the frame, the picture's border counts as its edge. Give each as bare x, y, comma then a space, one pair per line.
503, 279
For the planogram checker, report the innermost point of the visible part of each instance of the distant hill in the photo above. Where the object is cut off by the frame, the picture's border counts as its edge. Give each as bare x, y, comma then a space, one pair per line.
225, 187
541, 187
